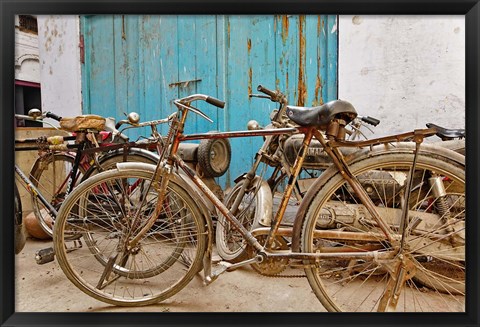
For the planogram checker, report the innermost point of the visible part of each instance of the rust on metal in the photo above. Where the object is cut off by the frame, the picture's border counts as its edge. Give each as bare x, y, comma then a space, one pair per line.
249, 45
228, 34
346, 248
318, 88
339, 161
297, 167
284, 28
301, 89
342, 235
222, 135
318, 99
250, 73
217, 203
81, 45
384, 140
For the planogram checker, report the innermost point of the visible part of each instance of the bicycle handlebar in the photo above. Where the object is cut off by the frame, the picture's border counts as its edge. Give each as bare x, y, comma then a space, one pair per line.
216, 102
263, 89
370, 120
49, 114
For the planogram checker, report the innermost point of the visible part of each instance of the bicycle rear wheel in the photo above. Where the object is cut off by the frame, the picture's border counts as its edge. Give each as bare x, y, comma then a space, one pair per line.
50, 175
433, 257
107, 211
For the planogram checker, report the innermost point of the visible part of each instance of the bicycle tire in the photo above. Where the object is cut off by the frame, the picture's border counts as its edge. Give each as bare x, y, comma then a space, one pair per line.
214, 156
153, 270
230, 244
358, 285
45, 167
20, 237
45, 173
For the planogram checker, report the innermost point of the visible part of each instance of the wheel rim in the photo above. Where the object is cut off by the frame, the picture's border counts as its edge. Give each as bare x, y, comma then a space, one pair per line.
219, 158
339, 280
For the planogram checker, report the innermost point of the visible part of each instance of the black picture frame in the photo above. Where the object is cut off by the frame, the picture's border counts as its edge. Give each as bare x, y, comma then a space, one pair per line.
469, 8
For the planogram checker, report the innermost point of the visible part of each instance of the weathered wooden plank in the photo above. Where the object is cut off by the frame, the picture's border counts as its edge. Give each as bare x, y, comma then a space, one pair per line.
100, 51
332, 52
206, 69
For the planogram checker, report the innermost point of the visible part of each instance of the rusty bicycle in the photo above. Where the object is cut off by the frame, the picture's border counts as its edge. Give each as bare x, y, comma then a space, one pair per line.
255, 197
382, 229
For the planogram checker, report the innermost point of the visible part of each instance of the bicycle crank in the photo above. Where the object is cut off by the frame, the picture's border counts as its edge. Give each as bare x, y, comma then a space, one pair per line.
271, 266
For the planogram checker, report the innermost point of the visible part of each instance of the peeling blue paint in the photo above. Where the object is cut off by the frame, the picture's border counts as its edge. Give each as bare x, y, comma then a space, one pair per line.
133, 62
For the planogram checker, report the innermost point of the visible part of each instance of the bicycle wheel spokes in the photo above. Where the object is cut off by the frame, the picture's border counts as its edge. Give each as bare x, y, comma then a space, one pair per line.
109, 212
426, 275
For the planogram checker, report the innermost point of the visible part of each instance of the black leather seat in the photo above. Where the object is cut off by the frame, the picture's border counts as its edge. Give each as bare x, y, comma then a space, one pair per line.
322, 115
447, 133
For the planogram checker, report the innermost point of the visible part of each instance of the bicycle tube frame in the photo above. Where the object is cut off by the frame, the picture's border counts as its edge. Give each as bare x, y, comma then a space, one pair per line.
309, 132
72, 176
34, 191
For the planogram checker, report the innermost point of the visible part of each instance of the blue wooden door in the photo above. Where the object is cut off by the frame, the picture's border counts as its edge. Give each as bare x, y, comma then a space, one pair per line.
142, 63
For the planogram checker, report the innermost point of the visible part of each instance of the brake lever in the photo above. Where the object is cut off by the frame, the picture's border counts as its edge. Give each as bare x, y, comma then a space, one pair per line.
195, 110
259, 96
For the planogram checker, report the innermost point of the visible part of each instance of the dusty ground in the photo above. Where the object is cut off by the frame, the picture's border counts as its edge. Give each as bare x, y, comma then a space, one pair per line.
44, 288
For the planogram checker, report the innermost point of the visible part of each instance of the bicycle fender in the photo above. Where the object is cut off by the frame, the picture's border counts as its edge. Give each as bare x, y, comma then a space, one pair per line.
106, 156
264, 200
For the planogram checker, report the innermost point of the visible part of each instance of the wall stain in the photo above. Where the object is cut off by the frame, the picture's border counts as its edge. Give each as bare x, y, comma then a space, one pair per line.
249, 45
357, 20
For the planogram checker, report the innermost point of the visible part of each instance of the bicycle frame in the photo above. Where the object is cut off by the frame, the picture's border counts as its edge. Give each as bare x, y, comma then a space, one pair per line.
169, 159
81, 159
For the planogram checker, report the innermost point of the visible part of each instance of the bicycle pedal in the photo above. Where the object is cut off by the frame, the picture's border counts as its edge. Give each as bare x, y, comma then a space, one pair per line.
44, 256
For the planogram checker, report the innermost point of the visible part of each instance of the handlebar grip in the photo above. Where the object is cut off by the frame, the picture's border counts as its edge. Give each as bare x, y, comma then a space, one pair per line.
371, 120
262, 89
53, 116
216, 102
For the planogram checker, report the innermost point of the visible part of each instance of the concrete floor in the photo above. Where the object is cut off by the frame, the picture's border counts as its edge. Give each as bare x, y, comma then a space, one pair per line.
44, 288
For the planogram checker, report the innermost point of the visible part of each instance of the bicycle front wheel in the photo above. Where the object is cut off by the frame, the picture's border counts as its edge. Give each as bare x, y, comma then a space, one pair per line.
231, 245
105, 213
426, 274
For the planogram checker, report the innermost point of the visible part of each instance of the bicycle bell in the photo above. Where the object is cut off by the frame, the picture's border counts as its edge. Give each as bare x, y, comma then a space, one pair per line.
133, 118
253, 125
35, 113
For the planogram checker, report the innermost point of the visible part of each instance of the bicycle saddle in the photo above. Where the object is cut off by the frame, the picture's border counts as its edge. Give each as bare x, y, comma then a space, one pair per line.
322, 115
447, 133
83, 122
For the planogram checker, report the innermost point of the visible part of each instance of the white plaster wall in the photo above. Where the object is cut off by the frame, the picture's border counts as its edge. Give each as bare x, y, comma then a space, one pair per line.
27, 66
404, 70
60, 70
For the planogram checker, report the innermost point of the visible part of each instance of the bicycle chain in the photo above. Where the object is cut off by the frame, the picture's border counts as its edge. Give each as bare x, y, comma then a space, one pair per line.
283, 275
